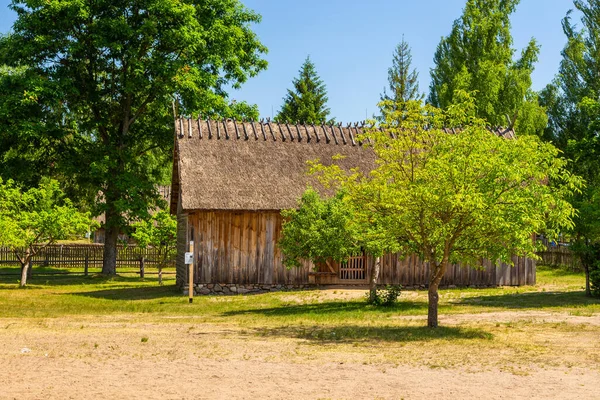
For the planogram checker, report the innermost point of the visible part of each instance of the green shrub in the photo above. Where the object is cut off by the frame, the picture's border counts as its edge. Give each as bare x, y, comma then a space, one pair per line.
595, 279
387, 296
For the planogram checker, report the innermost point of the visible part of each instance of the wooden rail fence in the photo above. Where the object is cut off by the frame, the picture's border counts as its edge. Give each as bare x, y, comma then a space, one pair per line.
88, 256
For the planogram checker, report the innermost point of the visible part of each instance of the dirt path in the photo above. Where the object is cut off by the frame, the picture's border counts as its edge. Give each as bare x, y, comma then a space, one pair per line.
137, 357
42, 378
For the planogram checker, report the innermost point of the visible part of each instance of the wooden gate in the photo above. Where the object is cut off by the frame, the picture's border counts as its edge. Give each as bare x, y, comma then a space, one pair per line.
355, 268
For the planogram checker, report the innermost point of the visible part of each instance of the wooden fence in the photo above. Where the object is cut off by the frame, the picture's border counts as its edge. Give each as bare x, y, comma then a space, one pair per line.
560, 255
86, 256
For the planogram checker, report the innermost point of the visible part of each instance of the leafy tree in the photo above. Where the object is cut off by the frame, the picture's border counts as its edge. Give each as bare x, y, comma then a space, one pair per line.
456, 197
307, 102
33, 219
117, 68
403, 82
478, 57
31, 140
159, 232
322, 229
574, 119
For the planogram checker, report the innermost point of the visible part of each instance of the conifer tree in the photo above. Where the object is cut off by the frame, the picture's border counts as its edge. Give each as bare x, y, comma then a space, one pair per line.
307, 102
403, 83
574, 121
478, 57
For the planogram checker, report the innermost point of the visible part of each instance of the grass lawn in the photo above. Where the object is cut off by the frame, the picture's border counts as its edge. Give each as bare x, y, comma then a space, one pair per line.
517, 331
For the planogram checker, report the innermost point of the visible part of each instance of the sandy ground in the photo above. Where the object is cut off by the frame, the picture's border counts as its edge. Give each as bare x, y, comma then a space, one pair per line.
109, 358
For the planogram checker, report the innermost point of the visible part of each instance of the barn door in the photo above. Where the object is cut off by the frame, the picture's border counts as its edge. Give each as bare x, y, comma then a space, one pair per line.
355, 268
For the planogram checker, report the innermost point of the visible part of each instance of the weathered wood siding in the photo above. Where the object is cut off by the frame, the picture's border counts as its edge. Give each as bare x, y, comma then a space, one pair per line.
182, 246
410, 271
241, 247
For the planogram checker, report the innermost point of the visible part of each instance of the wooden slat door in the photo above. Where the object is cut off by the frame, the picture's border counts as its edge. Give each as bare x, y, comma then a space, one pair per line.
354, 268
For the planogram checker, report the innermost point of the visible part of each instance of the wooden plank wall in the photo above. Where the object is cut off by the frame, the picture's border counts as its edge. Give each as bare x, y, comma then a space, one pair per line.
409, 271
241, 247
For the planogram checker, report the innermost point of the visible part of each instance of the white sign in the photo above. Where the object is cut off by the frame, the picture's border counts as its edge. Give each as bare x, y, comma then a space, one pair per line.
189, 258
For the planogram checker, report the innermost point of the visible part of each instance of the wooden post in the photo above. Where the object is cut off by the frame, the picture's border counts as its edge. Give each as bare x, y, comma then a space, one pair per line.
191, 274
142, 267
86, 265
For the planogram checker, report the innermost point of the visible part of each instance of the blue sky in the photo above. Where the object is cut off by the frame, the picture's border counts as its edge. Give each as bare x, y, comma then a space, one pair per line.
351, 42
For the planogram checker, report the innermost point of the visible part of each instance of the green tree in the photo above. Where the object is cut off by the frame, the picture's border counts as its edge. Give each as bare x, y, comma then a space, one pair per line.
331, 228
117, 68
159, 232
33, 219
307, 102
478, 57
574, 119
403, 82
456, 197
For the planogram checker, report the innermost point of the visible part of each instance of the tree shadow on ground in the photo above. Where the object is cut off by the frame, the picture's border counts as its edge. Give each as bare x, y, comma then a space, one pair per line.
532, 300
358, 333
329, 307
133, 293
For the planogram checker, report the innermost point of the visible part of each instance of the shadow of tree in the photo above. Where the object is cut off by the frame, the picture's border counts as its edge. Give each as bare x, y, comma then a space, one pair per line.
358, 333
330, 307
532, 300
133, 293
62, 277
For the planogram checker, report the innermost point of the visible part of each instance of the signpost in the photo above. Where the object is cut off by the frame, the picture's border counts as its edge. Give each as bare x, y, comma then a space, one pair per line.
189, 260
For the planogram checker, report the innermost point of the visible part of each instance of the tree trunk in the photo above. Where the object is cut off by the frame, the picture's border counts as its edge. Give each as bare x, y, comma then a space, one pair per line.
24, 273
373, 280
588, 290
109, 260
432, 313
437, 274
160, 282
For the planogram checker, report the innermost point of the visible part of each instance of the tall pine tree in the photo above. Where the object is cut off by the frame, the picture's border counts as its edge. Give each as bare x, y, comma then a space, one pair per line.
478, 57
574, 121
403, 82
307, 102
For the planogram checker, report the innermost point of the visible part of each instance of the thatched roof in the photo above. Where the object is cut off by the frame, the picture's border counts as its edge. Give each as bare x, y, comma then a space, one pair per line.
229, 165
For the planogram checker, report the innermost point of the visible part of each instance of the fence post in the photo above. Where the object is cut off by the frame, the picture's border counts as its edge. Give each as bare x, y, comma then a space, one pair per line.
86, 264
142, 267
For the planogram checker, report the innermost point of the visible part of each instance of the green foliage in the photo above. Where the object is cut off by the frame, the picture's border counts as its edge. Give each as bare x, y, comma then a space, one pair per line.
478, 57
595, 279
32, 219
403, 83
159, 232
574, 120
307, 102
318, 230
455, 197
116, 69
468, 196
387, 296
40, 215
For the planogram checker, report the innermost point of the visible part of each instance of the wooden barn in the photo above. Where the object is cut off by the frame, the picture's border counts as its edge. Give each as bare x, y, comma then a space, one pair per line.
232, 179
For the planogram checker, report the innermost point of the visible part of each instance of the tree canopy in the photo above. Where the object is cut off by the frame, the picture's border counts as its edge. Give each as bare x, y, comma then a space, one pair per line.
159, 232
307, 101
574, 120
449, 198
111, 72
33, 219
477, 56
